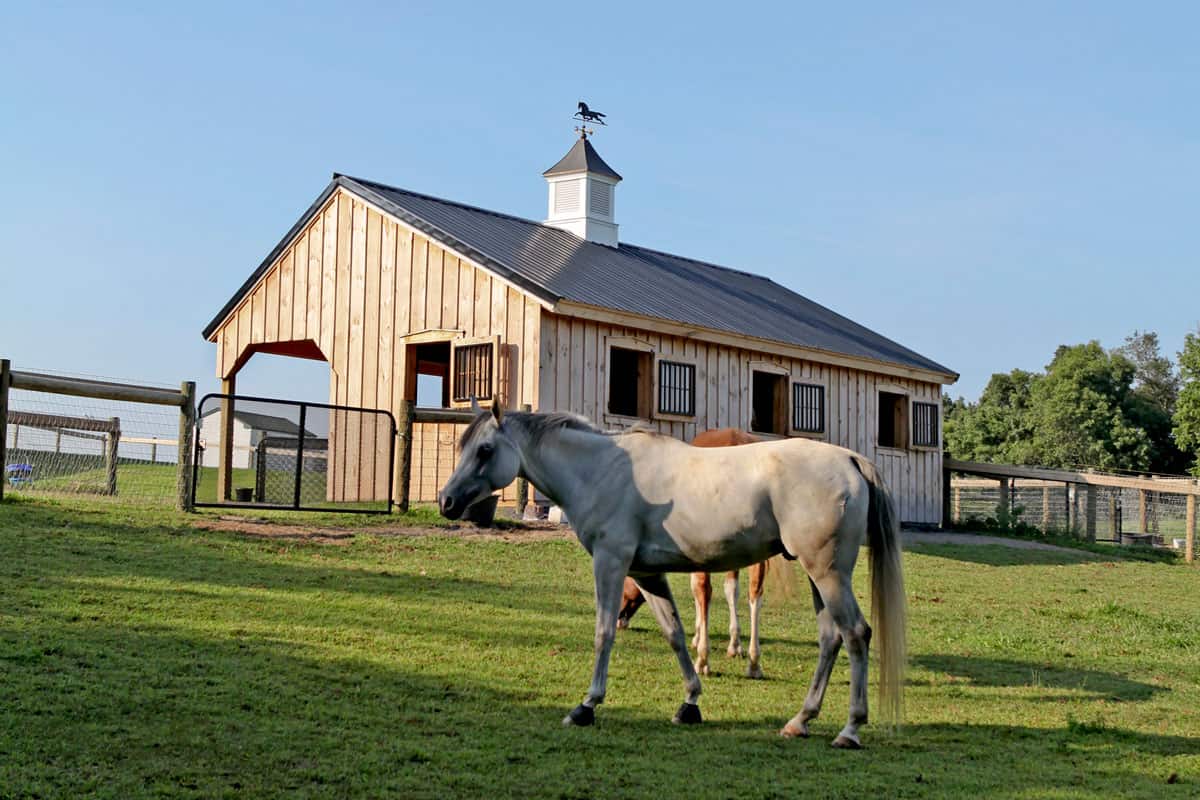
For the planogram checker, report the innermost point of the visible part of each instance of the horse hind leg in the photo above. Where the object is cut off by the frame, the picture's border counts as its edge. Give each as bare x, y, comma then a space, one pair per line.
758, 574
658, 596
843, 617
702, 591
735, 632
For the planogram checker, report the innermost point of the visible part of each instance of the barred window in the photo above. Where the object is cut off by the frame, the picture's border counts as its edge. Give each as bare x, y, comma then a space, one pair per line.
676, 388
808, 407
925, 424
472, 372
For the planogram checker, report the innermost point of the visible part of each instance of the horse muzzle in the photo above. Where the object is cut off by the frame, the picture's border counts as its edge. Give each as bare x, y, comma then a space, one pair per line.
451, 507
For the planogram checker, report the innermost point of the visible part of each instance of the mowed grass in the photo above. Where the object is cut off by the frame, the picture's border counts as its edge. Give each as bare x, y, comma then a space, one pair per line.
142, 657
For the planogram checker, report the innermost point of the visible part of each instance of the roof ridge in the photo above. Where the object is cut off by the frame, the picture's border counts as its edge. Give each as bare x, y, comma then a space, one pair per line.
443, 200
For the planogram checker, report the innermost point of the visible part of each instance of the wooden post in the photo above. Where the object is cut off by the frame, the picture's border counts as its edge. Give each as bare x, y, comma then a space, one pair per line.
187, 426
5, 368
1003, 505
523, 482
225, 446
110, 455
958, 504
404, 427
1045, 509
57, 441
1091, 513
1190, 532
1072, 511
1143, 517
1114, 524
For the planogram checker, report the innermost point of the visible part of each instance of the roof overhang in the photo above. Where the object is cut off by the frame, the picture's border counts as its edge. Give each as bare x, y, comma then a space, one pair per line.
570, 308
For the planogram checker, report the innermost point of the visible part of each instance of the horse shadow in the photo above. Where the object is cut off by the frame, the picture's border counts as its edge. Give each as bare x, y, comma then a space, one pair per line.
991, 672
995, 555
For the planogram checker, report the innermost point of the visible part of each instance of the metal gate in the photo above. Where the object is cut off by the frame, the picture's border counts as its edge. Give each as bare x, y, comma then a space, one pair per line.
282, 454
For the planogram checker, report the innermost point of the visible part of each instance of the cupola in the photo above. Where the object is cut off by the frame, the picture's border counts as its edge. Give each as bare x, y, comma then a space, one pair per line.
581, 188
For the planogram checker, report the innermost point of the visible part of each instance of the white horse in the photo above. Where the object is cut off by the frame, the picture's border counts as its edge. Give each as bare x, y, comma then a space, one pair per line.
645, 504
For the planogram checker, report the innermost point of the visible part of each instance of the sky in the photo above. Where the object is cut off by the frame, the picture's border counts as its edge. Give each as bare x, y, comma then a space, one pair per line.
980, 182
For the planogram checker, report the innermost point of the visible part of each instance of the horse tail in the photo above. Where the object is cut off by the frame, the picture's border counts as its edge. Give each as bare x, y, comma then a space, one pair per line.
888, 614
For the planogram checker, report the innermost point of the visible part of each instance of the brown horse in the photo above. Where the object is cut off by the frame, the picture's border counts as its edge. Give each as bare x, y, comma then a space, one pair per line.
632, 599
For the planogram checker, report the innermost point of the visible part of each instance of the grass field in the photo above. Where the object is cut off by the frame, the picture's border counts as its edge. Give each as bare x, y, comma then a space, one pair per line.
141, 656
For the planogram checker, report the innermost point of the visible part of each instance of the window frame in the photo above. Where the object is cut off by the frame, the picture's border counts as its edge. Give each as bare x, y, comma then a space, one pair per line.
903, 429
824, 387
475, 341
782, 414
646, 388
687, 361
937, 425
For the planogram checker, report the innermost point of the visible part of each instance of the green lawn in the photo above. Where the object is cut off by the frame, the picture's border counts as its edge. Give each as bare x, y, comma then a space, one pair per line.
141, 657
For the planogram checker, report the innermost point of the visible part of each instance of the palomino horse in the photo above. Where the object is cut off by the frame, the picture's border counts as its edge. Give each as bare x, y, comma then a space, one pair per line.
631, 596
644, 504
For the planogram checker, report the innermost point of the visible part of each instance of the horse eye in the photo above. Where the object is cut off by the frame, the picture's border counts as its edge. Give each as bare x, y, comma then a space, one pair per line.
485, 452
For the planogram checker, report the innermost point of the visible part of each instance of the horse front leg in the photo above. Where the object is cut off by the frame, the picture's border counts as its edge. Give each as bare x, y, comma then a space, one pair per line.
609, 569
658, 596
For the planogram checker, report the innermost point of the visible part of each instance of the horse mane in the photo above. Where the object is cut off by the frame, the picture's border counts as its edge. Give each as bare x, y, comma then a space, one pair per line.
536, 425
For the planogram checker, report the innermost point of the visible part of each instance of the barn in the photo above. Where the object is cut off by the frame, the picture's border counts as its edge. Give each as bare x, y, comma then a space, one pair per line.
387, 284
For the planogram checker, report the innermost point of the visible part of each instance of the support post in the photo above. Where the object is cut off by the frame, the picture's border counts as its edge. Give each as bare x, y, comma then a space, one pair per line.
187, 427
404, 427
1189, 551
957, 504
225, 447
1072, 510
523, 482
1045, 509
110, 455
1143, 517
1090, 514
1004, 504
1114, 521
5, 368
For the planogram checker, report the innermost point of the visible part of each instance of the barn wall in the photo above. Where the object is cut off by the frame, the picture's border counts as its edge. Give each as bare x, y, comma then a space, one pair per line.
574, 377
355, 282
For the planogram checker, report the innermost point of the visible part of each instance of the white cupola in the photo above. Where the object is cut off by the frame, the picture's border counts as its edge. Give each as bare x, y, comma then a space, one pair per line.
581, 194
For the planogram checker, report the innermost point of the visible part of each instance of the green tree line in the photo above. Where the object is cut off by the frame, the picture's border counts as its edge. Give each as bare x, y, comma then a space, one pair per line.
1128, 408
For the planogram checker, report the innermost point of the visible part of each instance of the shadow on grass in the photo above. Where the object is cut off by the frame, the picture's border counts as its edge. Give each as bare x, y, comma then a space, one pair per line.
1002, 556
1008, 673
160, 712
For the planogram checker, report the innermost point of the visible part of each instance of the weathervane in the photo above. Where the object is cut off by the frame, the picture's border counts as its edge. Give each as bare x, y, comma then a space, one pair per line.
585, 114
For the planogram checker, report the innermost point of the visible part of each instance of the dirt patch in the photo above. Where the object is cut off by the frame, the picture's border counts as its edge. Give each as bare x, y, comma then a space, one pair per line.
273, 530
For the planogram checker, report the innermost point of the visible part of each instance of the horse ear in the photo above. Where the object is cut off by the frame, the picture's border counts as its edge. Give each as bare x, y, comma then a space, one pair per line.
497, 411
475, 405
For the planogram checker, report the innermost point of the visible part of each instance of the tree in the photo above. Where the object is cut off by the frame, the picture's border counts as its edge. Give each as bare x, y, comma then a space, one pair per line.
997, 428
1080, 412
1152, 401
1187, 406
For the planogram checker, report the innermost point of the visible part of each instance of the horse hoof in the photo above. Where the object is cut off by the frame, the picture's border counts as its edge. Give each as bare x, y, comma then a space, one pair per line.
688, 714
754, 672
843, 742
580, 716
791, 731
622, 623
702, 669
735, 652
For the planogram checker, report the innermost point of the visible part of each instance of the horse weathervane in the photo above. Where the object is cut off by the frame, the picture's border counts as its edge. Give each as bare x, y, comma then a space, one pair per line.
585, 114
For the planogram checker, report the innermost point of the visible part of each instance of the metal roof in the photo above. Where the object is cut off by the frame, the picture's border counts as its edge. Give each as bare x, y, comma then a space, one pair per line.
264, 422
582, 158
556, 265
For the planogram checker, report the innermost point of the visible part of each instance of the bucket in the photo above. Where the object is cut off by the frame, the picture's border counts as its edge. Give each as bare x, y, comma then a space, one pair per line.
243, 495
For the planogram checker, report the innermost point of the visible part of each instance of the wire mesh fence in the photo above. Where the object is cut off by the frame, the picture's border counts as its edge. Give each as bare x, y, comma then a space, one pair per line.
62, 444
283, 454
1120, 515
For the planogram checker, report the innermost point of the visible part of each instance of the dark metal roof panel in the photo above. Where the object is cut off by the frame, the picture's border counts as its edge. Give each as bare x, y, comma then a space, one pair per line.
555, 265
582, 158
643, 281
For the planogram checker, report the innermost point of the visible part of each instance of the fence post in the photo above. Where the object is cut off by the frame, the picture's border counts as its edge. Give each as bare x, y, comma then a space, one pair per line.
110, 454
404, 476
1190, 534
1072, 509
1045, 509
1091, 512
958, 504
187, 425
523, 482
1114, 523
1004, 505
5, 368
1143, 518
225, 454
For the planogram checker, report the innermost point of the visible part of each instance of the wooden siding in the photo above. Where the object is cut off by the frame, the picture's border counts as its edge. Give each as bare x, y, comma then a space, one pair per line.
355, 282
573, 376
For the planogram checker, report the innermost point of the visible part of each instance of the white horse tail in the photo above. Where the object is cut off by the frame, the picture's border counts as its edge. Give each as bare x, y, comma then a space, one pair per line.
888, 614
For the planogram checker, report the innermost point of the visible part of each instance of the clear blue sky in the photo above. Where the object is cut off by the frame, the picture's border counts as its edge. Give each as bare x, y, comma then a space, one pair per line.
979, 184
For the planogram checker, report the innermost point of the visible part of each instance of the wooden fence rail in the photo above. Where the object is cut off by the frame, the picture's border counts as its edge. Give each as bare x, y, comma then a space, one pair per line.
184, 399
1072, 482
